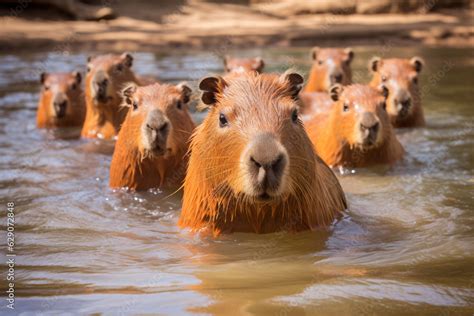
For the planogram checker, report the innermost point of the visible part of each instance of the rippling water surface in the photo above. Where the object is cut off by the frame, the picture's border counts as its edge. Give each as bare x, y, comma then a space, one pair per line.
405, 246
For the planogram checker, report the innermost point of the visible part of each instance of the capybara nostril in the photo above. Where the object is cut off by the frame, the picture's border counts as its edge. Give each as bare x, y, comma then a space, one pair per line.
337, 78
406, 103
60, 108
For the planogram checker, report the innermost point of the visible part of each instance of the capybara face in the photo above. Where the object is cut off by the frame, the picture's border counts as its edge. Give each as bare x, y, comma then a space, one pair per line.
400, 76
239, 65
360, 112
255, 145
107, 75
61, 97
331, 66
157, 114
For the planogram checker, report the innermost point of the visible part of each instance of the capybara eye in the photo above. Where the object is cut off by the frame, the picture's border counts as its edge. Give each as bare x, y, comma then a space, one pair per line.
88, 69
294, 116
384, 78
119, 67
384, 106
73, 86
223, 120
179, 105
46, 88
415, 80
345, 107
135, 105
320, 62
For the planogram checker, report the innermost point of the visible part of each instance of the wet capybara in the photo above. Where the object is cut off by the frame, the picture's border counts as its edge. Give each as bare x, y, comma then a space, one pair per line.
61, 101
357, 131
400, 76
152, 144
330, 66
232, 64
252, 166
106, 76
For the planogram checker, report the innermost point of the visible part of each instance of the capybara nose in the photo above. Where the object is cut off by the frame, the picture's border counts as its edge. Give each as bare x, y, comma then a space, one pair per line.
405, 105
157, 128
100, 86
369, 127
266, 164
60, 108
337, 78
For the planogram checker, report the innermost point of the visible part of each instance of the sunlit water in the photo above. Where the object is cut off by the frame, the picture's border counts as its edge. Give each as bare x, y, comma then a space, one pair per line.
405, 246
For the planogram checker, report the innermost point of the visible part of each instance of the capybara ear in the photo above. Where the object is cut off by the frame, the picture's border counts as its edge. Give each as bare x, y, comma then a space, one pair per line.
314, 52
128, 92
350, 54
43, 76
374, 63
335, 91
128, 59
185, 91
417, 63
295, 82
77, 75
89, 58
211, 87
258, 64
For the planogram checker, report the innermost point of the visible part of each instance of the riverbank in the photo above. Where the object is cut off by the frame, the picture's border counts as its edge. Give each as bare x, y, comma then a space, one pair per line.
207, 25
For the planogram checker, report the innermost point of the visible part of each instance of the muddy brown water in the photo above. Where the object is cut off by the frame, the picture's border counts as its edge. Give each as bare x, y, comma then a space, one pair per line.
404, 247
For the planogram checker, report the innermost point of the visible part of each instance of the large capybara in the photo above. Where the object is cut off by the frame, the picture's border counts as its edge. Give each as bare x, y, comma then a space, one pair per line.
357, 131
61, 101
252, 166
153, 142
400, 76
106, 76
233, 64
330, 66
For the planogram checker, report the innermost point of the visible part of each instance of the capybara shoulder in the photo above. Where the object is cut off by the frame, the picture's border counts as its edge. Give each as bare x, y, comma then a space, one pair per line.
106, 76
330, 66
153, 142
61, 102
252, 166
239, 65
401, 77
357, 130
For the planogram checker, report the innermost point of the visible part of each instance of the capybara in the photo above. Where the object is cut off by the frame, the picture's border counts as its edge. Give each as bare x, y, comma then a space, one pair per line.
61, 101
330, 66
252, 166
313, 103
106, 76
153, 142
400, 76
357, 131
232, 64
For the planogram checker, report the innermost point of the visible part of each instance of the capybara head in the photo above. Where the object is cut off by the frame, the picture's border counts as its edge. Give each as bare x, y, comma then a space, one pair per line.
360, 113
400, 76
156, 117
330, 66
232, 64
251, 157
106, 76
61, 101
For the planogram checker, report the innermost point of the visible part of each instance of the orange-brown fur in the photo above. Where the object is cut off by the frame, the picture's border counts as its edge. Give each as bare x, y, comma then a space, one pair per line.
328, 63
232, 64
313, 103
136, 168
214, 186
104, 118
400, 75
335, 134
67, 87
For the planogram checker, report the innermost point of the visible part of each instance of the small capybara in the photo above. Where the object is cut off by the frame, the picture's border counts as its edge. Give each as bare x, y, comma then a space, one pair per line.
330, 66
400, 76
252, 166
61, 101
357, 131
152, 144
232, 64
106, 76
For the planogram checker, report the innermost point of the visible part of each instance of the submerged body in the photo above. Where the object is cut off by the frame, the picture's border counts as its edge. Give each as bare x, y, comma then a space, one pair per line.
251, 160
152, 144
357, 131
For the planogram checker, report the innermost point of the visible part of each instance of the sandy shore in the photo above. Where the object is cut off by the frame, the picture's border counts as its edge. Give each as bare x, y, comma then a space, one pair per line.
212, 26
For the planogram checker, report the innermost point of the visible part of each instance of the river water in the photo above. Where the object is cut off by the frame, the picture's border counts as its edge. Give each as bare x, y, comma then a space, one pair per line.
405, 246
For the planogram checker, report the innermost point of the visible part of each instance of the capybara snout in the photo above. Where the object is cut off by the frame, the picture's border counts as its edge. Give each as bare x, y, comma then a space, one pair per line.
155, 132
266, 163
369, 128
